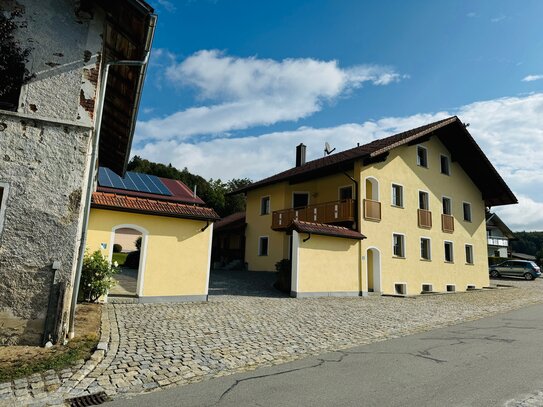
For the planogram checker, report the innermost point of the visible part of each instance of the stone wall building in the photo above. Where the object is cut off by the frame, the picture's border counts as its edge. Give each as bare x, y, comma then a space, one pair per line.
50, 111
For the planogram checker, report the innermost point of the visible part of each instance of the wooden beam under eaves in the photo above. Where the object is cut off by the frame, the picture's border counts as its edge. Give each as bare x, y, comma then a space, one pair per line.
419, 140
377, 159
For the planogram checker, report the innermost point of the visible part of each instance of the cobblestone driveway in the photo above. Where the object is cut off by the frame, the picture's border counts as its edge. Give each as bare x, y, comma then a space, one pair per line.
250, 326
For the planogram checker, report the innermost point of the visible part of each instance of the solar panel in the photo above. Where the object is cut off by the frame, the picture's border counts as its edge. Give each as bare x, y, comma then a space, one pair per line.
133, 181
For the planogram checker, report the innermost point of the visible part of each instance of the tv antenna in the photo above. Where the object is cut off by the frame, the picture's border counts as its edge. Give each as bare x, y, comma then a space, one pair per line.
327, 150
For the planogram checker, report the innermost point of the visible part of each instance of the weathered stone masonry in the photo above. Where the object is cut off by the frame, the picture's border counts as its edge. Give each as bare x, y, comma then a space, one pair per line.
44, 158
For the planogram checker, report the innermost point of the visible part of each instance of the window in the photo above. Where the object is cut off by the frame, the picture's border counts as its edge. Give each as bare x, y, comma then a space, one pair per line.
425, 248
424, 200
397, 195
446, 205
263, 246
398, 242
469, 254
445, 167
345, 193
3, 199
467, 211
422, 157
265, 205
300, 199
448, 252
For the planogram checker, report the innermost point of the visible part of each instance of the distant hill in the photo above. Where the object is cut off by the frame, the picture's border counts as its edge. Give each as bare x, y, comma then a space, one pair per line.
213, 192
529, 243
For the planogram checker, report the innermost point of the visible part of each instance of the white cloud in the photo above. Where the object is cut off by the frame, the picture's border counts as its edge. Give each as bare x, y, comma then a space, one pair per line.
527, 215
531, 78
509, 130
167, 5
246, 92
471, 14
498, 19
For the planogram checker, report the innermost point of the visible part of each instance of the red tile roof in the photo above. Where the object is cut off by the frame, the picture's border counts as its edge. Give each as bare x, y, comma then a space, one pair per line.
451, 132
230, 222
325, 230
126, 203
180, 192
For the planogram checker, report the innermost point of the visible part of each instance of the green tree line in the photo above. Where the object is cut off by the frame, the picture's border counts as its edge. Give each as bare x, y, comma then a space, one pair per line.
529, 243
213, 192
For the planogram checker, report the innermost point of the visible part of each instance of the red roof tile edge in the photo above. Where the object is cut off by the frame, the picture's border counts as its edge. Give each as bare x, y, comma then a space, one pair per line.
325, 230
151, 206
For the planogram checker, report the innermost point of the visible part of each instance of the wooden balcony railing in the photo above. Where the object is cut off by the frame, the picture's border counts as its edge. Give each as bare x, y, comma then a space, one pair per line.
447, 223
327, 212
372, 209
425, 218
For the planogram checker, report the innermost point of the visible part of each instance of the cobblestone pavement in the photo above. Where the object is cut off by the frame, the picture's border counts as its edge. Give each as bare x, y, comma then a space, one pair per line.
245, 326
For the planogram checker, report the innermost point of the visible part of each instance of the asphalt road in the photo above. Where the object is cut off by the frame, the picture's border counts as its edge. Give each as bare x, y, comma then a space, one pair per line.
481, 363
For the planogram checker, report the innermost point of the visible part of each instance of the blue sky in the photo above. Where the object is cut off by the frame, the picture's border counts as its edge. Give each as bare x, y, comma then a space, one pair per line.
233, 86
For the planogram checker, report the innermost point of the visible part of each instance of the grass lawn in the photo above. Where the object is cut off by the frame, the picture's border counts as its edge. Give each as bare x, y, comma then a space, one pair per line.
22, 361
119, 258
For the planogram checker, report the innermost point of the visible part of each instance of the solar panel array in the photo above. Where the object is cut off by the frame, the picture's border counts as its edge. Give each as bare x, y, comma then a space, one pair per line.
132, 181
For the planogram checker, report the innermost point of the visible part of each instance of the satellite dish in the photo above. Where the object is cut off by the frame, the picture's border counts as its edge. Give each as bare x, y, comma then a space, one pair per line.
327, 150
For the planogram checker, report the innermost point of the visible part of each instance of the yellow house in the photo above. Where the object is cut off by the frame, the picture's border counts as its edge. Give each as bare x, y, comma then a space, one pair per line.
419, 198
175, 229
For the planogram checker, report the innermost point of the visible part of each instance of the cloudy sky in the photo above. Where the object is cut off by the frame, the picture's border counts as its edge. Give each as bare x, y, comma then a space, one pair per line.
233, 85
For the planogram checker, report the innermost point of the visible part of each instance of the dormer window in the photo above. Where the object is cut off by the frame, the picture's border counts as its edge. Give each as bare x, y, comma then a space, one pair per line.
422, 157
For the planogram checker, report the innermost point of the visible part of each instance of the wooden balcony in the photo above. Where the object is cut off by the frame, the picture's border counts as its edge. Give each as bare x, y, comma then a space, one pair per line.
372, 210
327, 212
447, 223
425, 218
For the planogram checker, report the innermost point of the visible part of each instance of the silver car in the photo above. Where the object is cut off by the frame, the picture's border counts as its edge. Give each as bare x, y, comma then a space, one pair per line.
515, 268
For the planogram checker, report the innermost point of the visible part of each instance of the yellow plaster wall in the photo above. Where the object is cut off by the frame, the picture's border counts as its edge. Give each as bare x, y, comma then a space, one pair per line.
320, 190
401, 168
328, 264
177, 250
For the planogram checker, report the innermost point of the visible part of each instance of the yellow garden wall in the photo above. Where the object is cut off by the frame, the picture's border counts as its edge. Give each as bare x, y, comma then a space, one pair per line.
175, 252
325, 266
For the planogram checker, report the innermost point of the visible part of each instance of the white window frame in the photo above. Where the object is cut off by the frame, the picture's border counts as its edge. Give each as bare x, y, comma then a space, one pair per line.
260, 246
429, 248
269, 205
392, 185
450, 206
425, 156
3, 204
466, 253
345, 187
448, 165
445, 251
403, 256
464, 212
428, 200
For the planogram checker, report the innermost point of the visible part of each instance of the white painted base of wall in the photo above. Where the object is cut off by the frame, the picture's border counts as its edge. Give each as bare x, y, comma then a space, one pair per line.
170, 299
295, 294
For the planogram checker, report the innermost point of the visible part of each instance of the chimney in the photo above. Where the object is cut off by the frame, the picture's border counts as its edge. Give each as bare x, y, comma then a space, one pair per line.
300, 155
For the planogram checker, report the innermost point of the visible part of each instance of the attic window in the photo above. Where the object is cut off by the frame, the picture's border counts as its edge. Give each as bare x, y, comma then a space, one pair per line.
445, 167
265, 205
422, 157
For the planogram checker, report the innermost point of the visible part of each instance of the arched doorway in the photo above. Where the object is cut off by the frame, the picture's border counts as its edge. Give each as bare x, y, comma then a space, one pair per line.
373, 267
128, 248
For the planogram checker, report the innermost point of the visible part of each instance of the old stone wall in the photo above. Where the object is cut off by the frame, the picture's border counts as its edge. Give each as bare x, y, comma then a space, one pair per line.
43, 164
44, 158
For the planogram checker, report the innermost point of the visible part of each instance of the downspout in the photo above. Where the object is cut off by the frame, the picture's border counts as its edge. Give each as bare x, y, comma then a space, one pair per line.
357, 203
94, 156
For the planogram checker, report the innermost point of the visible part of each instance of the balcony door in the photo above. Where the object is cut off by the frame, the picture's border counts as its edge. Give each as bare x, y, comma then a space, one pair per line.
300, 199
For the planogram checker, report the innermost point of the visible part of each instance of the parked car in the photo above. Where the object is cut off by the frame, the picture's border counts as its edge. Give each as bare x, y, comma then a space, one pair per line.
515, 268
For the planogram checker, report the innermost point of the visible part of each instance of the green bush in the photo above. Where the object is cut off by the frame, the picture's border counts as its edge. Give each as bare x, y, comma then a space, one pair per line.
117, 248
96, 277
283, 282
496, 260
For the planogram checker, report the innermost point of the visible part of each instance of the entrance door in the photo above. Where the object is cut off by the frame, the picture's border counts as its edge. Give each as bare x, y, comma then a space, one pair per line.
373, 261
